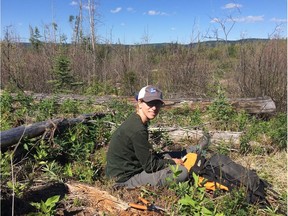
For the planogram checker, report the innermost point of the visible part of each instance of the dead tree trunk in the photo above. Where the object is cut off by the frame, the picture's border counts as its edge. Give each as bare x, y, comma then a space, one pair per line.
177, 134
261, 105
15, 135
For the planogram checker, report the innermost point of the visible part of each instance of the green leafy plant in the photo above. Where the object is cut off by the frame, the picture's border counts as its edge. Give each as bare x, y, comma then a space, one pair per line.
147, 193
47, 208
235, 203
68, 170
52, 170
6, 102
175, 173
159, 139
75, 144
83, 171
121, 110
25, 101
16, 187
46, 109
5, 166
42, 151
194, 202
69, 106
251, 132
184, 116
195, 117
100, 88
245, 143
277, 130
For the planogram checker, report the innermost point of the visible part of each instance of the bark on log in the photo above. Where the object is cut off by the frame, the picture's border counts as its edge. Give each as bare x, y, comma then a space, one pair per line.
15, 135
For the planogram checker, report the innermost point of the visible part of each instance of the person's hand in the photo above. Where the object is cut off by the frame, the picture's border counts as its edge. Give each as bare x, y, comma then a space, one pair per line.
178, 161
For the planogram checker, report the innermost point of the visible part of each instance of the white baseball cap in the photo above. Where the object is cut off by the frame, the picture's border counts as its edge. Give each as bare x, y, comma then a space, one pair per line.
150, 93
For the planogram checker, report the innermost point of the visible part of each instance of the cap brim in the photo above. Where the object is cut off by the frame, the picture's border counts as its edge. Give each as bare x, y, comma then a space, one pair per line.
152, 99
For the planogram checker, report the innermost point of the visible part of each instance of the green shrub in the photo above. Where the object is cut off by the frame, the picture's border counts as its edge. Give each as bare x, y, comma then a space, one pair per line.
121, 109
63, 79
234, 203
277, 130
5, 160
6, 102
14, 111
222, 112
69, 107
83, 171
195, 118
46, 109
184, 116
100, 89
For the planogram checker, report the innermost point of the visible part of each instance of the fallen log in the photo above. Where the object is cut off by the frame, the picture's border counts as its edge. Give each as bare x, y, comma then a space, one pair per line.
257, 105
15, 135
178, 134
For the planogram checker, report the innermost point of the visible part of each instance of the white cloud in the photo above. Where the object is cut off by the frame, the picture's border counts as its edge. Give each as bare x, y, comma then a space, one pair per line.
232, 6
278, 20
249, 19
172, 28
154, 13
73, 3
122, 24
116, 10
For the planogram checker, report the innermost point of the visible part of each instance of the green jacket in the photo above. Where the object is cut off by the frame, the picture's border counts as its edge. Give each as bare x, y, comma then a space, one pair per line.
130, 152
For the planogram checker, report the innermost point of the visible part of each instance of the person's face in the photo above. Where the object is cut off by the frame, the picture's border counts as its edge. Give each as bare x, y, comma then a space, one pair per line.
151, 109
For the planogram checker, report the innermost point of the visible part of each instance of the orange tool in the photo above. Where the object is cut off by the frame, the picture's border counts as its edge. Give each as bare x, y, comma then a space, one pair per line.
147, 206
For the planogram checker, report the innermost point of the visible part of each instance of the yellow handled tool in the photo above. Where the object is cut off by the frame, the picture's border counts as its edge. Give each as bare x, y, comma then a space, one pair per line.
146, 205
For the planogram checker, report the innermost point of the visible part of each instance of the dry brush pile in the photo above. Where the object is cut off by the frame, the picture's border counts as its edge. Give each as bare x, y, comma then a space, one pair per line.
244, 68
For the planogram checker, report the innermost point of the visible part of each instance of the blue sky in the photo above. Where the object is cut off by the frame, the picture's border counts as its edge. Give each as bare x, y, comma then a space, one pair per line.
152, 21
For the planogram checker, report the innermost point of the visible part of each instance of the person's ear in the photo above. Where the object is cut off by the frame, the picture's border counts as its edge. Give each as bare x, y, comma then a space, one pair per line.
139, 104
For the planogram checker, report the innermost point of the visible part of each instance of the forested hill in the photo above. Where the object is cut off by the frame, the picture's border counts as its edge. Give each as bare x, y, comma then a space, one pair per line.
211, 43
